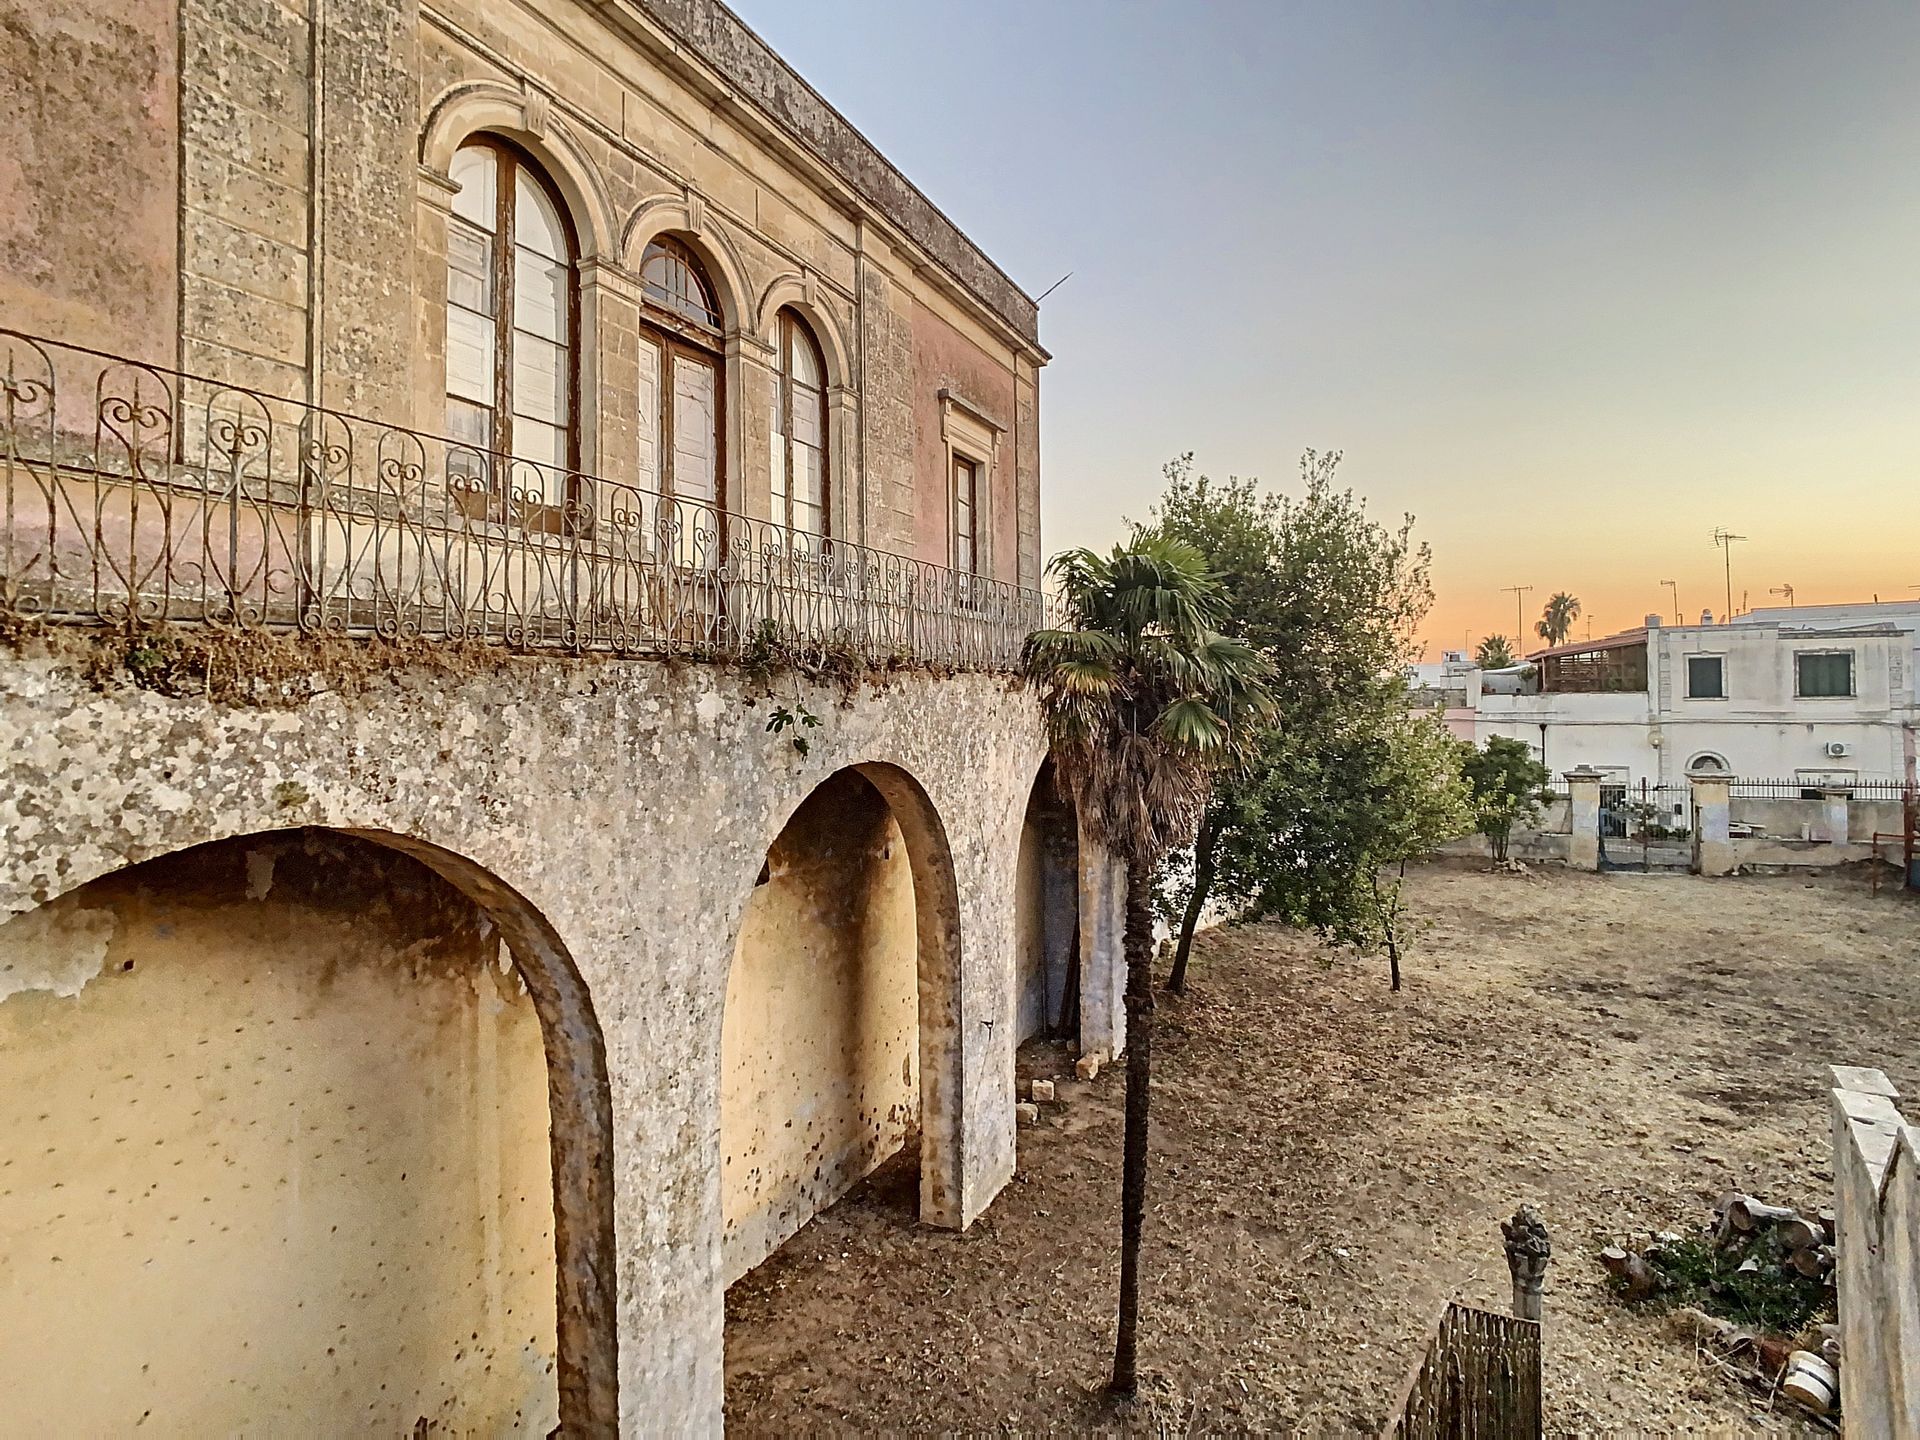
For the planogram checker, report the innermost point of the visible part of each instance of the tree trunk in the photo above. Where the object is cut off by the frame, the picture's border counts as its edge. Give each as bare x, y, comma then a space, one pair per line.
1203, 873
1133, 1164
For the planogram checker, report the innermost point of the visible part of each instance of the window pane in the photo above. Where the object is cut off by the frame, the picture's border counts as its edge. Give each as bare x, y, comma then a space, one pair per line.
694, 443
475, 171
539, 296
1704, 678
808, 474
469, 268
536, 224
470, 356
808, 417
539, 380
806, 369
546, 447
647, 429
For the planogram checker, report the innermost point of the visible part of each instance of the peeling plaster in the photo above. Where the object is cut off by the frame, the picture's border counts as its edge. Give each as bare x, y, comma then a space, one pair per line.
634, 813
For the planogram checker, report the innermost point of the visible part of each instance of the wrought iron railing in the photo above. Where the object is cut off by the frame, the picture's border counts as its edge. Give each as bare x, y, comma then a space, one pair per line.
138, 493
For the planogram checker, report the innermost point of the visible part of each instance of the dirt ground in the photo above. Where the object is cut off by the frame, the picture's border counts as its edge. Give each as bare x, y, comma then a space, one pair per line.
1331, 1162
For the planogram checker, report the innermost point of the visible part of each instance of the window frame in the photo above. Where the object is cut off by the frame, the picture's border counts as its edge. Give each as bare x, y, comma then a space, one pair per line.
1720, 660
1800, 691
510, 162
672, 333
960, 460
790, 329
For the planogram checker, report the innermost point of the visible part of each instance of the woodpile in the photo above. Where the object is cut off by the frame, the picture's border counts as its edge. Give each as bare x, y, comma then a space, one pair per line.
1757, 1265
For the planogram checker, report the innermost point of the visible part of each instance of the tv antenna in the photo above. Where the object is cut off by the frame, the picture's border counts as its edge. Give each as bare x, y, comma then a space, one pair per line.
1519, 593
1786, 590
1673, 588
1726, 540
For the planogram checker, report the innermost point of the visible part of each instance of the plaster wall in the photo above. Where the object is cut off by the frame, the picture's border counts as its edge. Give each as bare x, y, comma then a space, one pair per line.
820, 1048
1046, 904
629, 804
276, 1120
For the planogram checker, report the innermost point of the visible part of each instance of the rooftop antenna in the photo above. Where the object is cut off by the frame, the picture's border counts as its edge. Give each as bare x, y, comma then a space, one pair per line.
1053, 287
1519, 593
1786, 590
1726, 540
1673, 588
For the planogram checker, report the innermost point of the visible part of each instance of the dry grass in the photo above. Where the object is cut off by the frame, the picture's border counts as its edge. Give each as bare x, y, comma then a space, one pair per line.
1331, 1163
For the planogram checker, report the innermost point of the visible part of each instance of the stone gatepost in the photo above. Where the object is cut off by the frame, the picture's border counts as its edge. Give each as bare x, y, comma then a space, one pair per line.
1583, 840
1103, 956
1712, 829
1834, 801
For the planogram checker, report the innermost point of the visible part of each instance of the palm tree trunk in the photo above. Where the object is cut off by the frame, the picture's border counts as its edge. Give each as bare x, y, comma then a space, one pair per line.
1203, 873
1133, 1164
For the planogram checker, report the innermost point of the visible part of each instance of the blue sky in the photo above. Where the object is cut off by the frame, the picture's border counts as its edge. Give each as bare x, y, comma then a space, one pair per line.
1575, 283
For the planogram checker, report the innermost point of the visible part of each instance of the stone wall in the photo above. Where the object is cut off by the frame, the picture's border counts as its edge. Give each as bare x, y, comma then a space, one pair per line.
276, 1120
630, 807
257, 191
1876, 1192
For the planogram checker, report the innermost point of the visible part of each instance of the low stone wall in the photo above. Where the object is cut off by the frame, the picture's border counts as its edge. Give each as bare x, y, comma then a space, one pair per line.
1793, 819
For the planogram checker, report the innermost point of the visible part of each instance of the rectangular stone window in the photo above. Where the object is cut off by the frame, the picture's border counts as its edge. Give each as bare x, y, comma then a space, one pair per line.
1706, 677
1821, 675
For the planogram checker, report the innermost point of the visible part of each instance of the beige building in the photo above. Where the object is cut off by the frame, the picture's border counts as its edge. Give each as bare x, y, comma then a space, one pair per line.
517, 523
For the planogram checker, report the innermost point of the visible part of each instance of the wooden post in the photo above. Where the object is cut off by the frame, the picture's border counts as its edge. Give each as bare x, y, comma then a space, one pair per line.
1528, 1249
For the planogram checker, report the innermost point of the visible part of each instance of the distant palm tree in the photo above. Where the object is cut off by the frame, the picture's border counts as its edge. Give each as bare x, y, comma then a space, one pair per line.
1556, 621
1143, 700
1494, 653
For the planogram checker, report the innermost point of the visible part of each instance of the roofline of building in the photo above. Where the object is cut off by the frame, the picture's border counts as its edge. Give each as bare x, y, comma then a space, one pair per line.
754, 72
1587, 647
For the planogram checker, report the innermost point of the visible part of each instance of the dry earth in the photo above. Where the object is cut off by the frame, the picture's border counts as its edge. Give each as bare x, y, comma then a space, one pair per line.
1331, 1162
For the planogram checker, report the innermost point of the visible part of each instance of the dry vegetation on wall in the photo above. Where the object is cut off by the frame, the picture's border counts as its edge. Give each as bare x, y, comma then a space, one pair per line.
1332, 1162
283, 669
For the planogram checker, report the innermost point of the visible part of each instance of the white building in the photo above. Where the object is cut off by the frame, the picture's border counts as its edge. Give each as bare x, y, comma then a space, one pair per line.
1825, 697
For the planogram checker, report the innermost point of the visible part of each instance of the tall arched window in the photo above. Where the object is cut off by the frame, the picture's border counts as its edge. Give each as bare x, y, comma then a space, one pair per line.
801, 496
512, 318
681, 393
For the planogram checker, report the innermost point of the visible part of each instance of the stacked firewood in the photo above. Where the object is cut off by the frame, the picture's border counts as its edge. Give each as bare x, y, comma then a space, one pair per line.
1752, 1250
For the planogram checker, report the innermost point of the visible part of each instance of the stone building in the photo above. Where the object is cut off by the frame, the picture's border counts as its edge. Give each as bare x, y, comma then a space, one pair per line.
518, 524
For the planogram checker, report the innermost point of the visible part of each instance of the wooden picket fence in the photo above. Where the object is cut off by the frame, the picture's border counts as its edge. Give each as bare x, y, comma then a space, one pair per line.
1478, 1380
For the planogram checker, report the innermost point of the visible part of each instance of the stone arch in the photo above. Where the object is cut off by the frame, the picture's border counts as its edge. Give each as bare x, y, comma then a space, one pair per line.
1709, 760
814, 853
800, 294
579, 1110
524, 117
685, 218
1046, 912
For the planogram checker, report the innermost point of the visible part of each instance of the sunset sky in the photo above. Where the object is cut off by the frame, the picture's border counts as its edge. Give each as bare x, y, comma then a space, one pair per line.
1574, 283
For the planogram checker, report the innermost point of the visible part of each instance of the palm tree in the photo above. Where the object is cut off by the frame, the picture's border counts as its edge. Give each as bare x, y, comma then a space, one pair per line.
1494, 653
1143, 701
1556, 621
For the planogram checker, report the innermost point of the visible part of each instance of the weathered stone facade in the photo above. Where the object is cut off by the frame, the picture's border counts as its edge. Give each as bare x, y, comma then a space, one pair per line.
258, 193
631, 806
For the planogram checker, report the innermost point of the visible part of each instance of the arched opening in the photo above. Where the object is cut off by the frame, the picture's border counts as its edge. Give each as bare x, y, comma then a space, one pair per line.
1047, 915
840, 1038
1706, 760
308, 1123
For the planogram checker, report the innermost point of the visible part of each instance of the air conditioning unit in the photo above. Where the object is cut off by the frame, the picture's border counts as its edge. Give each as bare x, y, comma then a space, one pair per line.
1837, 748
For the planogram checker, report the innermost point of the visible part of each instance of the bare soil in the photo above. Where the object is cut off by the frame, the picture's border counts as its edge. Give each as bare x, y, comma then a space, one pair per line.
1331, 1162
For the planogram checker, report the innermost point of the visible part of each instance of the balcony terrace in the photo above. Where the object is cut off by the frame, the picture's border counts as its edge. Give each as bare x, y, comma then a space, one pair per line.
137, 493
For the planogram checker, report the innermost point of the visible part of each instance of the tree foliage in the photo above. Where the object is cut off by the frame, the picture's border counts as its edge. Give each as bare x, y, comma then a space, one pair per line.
1144, 700
1495, 653
1507, 787
1331, 599
1556, 620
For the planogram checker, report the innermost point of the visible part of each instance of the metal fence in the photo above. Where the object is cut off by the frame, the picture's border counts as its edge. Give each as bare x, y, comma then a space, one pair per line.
133, 492
1480, 1377
1800, 787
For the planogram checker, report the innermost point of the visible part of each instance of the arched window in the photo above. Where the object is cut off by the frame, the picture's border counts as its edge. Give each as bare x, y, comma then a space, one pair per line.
681, 393
512, 319
1707, 760
801, 497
